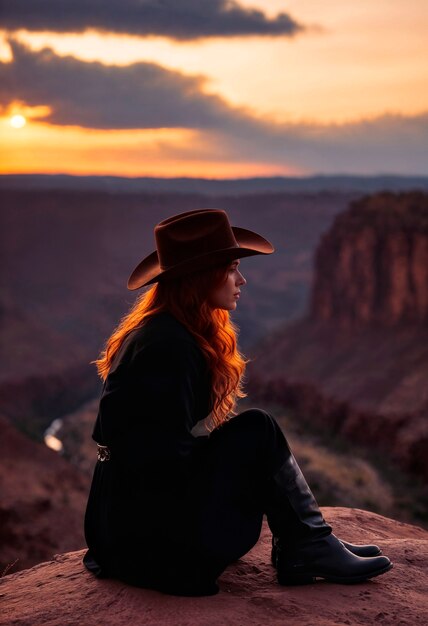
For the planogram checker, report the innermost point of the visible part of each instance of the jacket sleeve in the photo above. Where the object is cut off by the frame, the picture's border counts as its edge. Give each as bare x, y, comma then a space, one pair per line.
156, 404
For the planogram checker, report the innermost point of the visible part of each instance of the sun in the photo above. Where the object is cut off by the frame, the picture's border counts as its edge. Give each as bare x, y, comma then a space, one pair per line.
17, 121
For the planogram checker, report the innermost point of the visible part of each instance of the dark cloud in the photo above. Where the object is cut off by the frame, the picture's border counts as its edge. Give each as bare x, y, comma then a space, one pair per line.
178, 19
94, 95
146, 95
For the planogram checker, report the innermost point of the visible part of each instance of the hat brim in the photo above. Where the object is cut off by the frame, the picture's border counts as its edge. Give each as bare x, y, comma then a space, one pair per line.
148, 271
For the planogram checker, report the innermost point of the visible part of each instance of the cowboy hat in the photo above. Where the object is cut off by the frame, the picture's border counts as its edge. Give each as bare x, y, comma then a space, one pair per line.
192, 241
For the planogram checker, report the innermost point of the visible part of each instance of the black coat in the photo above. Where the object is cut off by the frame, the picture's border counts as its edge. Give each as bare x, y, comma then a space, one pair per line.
137, 514
169, 510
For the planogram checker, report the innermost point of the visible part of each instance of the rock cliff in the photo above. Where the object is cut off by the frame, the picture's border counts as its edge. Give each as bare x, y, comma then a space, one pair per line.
372, 264
62, 593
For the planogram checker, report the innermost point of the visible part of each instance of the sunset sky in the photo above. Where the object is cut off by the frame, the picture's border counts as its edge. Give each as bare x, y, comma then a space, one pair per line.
214, 88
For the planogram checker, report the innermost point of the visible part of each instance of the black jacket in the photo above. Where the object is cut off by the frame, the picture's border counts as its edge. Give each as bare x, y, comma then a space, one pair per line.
157, 389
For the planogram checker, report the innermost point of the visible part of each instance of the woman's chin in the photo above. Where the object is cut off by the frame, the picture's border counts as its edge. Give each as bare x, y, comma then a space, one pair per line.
227, 307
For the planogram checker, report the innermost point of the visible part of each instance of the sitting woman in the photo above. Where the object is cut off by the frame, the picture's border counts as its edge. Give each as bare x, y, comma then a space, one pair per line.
169, 510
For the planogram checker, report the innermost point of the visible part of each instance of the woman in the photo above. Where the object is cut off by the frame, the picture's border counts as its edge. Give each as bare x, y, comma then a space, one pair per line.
169, 510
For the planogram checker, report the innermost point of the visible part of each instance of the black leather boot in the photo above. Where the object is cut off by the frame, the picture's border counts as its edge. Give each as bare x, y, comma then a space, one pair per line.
306, 548
360, 550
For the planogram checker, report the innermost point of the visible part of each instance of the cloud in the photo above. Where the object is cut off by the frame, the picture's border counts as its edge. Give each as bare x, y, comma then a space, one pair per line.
177, 19
93, 95
148, 96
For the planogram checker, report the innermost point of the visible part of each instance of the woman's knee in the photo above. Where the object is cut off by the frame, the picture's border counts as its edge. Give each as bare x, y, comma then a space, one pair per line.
262, 426
257, 418
256, 422
253, 438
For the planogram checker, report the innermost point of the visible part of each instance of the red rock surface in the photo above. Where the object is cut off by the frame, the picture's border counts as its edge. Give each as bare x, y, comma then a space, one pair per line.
61, 592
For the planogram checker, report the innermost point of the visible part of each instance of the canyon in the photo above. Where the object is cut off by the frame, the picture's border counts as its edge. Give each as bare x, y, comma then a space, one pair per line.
357, 362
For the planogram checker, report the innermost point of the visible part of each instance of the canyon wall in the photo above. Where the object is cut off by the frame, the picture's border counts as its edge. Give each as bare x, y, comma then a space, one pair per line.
372, 264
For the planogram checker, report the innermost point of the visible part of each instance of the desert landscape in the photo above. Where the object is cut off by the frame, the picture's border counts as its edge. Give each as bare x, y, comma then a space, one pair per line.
334, 324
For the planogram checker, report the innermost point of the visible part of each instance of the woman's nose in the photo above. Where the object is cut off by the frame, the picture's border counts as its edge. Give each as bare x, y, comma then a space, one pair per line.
241, 279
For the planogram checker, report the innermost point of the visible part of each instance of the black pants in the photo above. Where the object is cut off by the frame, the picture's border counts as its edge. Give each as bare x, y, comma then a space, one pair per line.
231, 488
220, 512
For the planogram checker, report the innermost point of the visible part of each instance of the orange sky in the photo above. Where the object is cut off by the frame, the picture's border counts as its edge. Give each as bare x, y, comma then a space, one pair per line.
351, 70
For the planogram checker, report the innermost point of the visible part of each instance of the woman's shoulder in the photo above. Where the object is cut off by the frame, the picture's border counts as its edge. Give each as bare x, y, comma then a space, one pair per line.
164, 343
161, 336
160, 328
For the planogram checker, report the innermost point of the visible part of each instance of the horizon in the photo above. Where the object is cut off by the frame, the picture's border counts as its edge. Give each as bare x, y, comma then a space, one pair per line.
322, 183
315, 175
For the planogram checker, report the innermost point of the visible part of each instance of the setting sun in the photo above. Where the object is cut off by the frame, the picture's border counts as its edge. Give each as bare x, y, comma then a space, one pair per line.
17, 121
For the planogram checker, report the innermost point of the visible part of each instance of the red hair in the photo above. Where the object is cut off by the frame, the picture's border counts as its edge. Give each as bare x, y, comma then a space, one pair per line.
215, 332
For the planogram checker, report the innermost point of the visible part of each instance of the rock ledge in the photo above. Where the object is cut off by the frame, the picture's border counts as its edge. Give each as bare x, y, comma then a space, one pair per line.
61, 592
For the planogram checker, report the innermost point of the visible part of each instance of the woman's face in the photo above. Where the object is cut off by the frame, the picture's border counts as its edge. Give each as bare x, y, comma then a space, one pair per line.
226, 295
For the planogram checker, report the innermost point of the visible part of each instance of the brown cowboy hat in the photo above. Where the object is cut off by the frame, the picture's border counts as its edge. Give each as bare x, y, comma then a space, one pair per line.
192, 241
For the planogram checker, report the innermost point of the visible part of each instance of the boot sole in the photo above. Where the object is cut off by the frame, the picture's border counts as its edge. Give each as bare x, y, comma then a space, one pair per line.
310, 577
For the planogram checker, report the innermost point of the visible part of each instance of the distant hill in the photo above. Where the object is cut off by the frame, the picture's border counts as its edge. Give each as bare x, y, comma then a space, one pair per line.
338, 183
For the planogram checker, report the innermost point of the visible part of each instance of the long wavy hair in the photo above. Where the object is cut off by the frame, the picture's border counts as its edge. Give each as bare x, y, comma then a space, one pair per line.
214, 330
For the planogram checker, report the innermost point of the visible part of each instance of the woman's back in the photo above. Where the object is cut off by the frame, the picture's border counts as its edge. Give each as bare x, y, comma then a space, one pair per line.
157, 390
